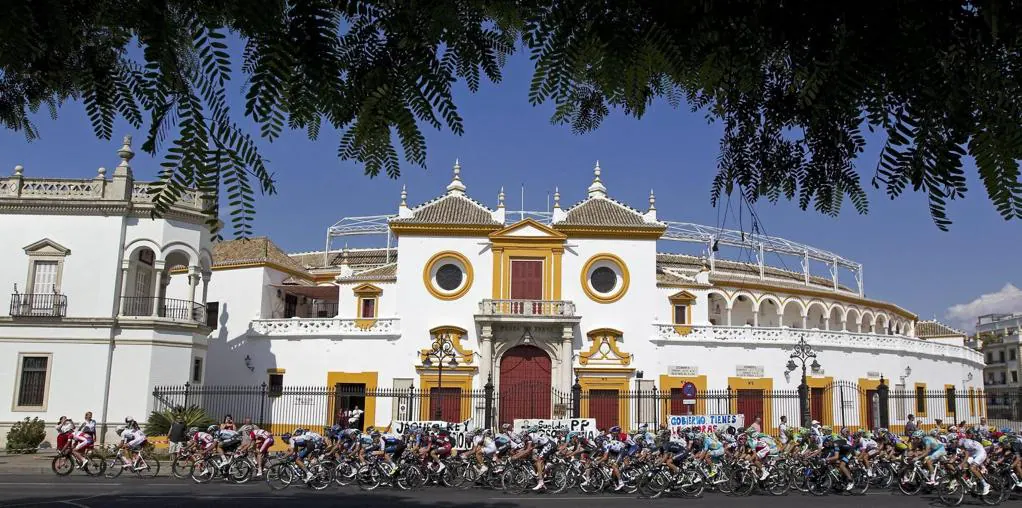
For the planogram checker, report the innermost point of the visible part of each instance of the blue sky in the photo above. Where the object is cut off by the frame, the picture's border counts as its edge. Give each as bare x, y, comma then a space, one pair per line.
508, 142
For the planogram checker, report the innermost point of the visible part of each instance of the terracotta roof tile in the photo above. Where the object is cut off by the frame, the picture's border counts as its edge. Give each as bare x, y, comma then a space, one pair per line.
380, 273
601, 211
348, 257
253, 250
933, 328
450, 209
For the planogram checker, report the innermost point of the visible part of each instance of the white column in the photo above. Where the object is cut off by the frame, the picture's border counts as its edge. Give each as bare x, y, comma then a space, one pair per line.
755, 317
486, 347
729, 315
193, 281
157, 289
805, 321
205, 285
124, 287
568, 363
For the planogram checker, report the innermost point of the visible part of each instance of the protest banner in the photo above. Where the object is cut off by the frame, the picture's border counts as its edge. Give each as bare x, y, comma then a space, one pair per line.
458, 431
585, 426
704, 423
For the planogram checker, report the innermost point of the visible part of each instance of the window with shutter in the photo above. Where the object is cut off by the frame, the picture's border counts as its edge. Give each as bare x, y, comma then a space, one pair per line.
32, 382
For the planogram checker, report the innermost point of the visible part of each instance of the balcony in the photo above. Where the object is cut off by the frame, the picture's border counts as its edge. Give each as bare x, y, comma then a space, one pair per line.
385, 328
38, 305
527, 310
163, 308
784, 337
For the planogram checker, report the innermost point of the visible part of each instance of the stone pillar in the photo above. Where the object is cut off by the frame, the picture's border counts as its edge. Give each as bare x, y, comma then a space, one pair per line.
157, 289
805, 321
568, 363
755, 317
486, 352
193, 281
728, 322
205, 285
125, 266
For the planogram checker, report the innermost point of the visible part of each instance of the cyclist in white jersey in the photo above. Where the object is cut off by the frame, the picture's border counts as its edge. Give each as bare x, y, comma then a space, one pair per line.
975, 455
545, 448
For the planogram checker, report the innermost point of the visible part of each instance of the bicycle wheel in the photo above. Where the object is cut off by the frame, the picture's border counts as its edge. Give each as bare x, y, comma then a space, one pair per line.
861, 482
514, 479
344, 473
62, 465
149, 467
819, 482
777, 483
240, 471
279, 476
94, 465
592, 481
559, 479
951, 491
368, 477
182, 467
320, 477
409, 478
204, 471
996, 487
114, 467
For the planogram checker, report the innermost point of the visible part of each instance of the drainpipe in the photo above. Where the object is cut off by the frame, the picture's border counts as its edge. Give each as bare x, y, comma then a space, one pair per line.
115, 308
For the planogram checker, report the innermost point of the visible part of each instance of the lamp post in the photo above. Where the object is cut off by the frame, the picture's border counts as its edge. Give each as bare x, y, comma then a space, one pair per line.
441, 350
803, 352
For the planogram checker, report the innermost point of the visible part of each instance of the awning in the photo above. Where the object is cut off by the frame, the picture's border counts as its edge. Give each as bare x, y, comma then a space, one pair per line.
317, 292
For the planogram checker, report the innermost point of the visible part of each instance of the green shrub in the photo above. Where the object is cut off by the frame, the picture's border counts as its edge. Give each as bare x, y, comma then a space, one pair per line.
159, 422
25, 436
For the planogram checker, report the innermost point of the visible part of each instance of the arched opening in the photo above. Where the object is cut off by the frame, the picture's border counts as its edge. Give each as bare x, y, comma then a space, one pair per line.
769, 312
835, 324
792, 316
852, 321
525, 384
741, 311
816, 316
139, 298
866, 322
718, 309
881, 326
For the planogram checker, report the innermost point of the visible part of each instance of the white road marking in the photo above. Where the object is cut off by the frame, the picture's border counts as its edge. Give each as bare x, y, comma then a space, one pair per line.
541, 498
62, 484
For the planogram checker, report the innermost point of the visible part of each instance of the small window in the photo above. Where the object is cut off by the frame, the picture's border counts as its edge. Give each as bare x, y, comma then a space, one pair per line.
899, 401
32, 382
1004, 378
212, 314
681, 314
1011, 354
990, 358
949, 396
276, 385
449, 277
197, 370
921, 399
368, 308
1000, 356
603, 279
1014, 376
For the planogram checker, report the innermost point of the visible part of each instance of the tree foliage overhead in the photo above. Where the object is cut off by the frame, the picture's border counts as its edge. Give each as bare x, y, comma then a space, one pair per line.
794, 83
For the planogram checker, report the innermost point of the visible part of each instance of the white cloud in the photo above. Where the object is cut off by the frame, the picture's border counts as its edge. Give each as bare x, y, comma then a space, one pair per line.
1005, 301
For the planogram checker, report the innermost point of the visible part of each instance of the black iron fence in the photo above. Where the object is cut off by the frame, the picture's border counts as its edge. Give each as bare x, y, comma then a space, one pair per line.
38, 305
171, 308
839, 404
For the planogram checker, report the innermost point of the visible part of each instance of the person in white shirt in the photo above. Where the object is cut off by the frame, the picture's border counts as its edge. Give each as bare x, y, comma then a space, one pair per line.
132, 439
783, 429
84, 437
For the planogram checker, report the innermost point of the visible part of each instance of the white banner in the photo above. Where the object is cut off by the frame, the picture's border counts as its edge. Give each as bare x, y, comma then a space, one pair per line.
585, 426
704, 423
456, 430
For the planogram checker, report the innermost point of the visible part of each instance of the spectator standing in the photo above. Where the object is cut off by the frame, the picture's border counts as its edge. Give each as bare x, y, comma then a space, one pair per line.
64, 429
228, 423
176, 435
910, 425
783, 429
757, 425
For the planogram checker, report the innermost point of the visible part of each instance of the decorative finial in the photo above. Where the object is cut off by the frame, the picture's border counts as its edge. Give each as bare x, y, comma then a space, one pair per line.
101, 172
125, 153
557, 197
597, 189
404, 196
456, 187
500, 197
652, 200
19, 170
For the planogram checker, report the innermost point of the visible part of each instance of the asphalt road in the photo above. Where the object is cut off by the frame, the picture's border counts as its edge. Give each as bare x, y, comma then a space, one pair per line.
84, 492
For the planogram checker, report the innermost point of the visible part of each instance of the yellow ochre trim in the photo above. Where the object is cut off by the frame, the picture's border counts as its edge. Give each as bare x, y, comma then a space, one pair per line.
600, 337
369, 379
623, 233
549, 247
367, 289
625, 279
915, 401
765, 384
261, 264
550, 234
456, 334
828, 407
668, 383
428, 279
453, 378
619, 383
276, 371
443, 229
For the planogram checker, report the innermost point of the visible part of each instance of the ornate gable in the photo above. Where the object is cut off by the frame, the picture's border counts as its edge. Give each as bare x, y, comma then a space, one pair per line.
527, 230
605, 350
46, 247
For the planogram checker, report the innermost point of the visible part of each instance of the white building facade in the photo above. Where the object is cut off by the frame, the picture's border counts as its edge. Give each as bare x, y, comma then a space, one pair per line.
91, 324
534, 303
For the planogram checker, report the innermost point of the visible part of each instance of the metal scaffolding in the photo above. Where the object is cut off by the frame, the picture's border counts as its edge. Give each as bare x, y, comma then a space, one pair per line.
707, 236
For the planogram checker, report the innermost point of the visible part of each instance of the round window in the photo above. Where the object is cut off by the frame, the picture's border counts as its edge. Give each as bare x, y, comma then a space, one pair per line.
449, 277
603, 279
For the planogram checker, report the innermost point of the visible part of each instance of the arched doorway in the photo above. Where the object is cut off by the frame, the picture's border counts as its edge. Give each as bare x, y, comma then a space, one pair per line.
525, 384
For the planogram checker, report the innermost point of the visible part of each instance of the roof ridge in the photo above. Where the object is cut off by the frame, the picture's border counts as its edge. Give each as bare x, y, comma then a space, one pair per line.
348, 249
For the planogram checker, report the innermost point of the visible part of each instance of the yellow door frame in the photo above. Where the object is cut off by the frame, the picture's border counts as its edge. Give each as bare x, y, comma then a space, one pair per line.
369, 379
595, 378
760, 383
668, 383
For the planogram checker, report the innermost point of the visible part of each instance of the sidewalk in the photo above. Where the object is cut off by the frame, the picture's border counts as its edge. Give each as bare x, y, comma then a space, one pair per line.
32, 463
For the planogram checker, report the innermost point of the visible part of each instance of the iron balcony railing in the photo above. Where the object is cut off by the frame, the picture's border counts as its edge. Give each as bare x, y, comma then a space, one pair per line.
527, 308
38, 305
169, 308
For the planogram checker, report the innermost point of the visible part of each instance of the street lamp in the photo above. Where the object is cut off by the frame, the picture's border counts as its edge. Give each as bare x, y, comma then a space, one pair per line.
803, 352
442, 349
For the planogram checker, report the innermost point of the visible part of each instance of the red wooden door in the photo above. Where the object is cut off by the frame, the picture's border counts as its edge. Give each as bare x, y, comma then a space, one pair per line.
526, 283
750, 404
448, 400
678, 406
870, 413
525, 384
816, 405
603, 406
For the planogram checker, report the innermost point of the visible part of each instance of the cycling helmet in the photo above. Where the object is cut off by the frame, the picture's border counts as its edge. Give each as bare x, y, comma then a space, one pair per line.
487, 432
644, 427
814, 423
191, 432
935, 432
120, 429
505, 427
213, 429
572, 435
615, 430
918, 434
128, 419
298, 432
336, 428
285, 437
